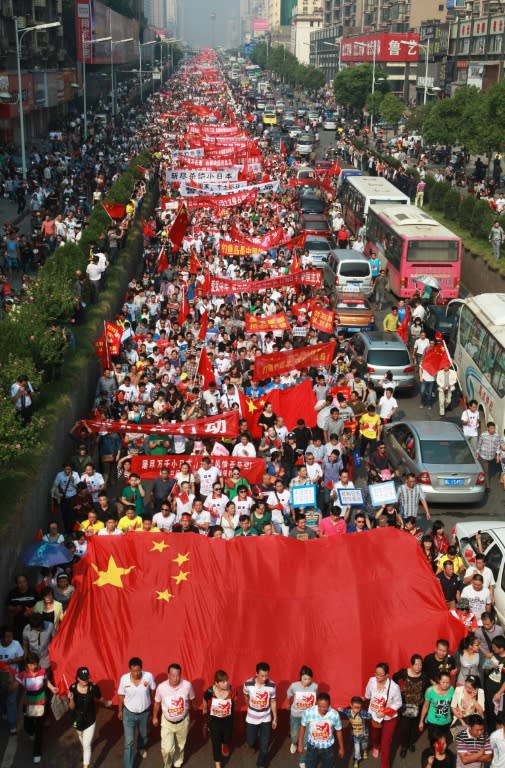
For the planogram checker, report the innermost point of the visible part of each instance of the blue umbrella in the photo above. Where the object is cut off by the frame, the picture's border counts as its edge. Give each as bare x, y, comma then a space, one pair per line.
45, 554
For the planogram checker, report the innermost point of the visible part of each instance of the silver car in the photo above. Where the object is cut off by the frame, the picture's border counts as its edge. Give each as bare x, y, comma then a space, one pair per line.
383, 352
440, 457
319, 249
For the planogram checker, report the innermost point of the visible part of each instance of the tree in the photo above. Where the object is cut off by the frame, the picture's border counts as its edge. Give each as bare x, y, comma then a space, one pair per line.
417, 117
391, 109
353, 84
456, 120
259, 55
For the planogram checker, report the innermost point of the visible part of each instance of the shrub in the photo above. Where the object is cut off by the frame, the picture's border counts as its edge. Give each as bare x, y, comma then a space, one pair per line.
430, 184
451, 204
465, 212
482, 219
438, 195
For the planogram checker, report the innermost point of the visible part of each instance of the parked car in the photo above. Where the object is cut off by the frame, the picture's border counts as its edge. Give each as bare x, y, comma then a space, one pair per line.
385, 352
354, 313
439, 455
488, 537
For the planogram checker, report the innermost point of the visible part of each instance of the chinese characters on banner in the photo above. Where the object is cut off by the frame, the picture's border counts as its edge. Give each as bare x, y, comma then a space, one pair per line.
148, 467
221, 286
276, 363
322, 319
277, 322
224, 425
388, 46
232, 248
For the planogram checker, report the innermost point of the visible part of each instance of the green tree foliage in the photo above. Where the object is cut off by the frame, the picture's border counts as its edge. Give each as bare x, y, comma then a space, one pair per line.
416, 117
452, 202
287, 66
457, 121
391, 109
466, 209
353, 85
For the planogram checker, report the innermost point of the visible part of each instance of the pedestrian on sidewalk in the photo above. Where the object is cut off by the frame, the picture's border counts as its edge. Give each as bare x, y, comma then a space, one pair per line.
488, 450
496, 238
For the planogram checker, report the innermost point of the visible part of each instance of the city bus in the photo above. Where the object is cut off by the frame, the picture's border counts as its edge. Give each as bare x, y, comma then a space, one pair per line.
479, 353
411, 245
361, 192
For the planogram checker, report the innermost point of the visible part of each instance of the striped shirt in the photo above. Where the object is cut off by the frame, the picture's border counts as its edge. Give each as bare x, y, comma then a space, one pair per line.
488, 446
409, 500
321, 728
466, 743
259, 701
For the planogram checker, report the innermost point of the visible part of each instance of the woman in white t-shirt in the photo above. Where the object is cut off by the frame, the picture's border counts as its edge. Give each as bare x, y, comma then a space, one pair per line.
385, 700
185, 475
229, 520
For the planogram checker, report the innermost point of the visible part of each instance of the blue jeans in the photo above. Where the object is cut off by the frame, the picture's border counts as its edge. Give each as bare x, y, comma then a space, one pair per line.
9, 707
262, 732
132, 721
294, 729
426, 389
317, 755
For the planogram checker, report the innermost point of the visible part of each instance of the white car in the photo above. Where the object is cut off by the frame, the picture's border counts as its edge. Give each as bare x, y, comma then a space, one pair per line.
329, 124
487, 536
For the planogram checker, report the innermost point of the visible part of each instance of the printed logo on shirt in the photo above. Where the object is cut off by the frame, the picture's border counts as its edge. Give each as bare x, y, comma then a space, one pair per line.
321, 731
220, 708
175, 707
304, 700
260, 700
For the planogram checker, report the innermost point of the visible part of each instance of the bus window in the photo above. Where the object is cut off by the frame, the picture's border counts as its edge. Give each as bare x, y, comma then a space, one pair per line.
466, 328
497, 378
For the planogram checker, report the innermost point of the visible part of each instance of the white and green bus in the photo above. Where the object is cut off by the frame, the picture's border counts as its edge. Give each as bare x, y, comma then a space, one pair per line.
479, 353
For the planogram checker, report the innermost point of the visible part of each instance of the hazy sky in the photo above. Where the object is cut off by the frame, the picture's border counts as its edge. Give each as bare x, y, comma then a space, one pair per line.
198, 25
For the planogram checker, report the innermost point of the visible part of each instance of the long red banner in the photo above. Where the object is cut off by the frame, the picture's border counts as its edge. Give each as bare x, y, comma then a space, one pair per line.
224, 425
275, 363
247, 197
278, 322
148, 467
221, 286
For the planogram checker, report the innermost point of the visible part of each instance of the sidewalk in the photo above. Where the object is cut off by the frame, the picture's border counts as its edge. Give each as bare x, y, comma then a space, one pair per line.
9, 214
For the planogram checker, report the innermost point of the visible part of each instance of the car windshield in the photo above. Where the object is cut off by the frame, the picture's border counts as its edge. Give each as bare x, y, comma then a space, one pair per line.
317, 245
390, 358
351, 305
355, 269
316, 225
446, 452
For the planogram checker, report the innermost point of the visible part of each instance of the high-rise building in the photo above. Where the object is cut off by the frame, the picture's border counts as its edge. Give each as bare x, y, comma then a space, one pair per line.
307, 17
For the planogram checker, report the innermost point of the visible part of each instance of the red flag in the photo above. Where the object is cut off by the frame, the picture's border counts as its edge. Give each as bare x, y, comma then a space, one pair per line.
282, 148
149, 228
204, 322
183, 309
295, 263
178, 228
206, 283
155, 583
403, 328
115, 210
435, 358
205, 369
141, 170
287, 403
162, 262
194, 264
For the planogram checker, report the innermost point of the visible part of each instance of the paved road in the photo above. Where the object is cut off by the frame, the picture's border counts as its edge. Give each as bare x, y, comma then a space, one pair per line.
61, 747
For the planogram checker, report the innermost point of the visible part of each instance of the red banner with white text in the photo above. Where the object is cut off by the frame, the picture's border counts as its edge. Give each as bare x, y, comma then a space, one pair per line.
224, 425
149, 467
276, 363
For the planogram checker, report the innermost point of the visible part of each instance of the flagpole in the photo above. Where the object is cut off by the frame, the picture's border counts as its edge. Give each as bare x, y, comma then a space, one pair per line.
106, 343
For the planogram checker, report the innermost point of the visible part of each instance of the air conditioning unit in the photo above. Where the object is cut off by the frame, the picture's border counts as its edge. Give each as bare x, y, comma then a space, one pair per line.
21, 22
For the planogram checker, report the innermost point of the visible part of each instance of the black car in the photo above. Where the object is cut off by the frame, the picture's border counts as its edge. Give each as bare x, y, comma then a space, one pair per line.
312, 203
437, 321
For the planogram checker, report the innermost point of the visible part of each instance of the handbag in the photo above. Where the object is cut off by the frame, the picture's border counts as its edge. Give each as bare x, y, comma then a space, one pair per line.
59, 706
410, 710
108, 458
35, 710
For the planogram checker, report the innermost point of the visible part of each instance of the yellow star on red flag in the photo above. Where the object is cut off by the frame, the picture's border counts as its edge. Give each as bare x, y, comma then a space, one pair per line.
181, 576
159, 546
180, 559
112, 575
251, 406
164, 595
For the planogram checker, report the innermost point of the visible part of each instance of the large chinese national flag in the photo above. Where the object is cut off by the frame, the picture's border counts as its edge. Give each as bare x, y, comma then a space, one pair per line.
435, 358
214, 604
292, 404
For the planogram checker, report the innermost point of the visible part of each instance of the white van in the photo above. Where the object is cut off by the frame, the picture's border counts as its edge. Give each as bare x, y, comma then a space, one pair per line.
348, 270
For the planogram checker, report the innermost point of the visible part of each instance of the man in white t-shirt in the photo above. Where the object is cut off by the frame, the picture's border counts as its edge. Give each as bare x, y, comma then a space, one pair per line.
244, 449
470, 420
388, 406
486, 573
175, 697
165, 518
134, 708
206, 476
11, 654
478, 596
314, 470
279, 504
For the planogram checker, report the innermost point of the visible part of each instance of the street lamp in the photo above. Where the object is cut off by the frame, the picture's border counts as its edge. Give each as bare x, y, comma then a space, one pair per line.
426, 49
151, 42
20, 33
84, 89
365, 45
113, 92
